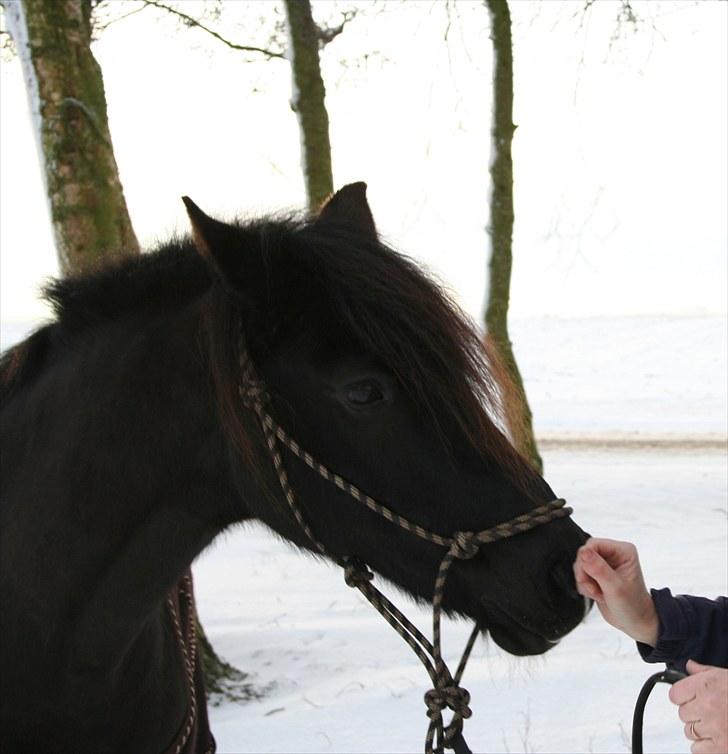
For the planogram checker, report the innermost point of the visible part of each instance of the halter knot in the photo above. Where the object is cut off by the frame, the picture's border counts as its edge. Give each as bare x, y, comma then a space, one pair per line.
252, 389
252, 392
465, 545
356, 574
455, 698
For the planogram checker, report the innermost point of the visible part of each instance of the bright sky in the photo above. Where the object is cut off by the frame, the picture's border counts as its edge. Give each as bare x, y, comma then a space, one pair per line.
620, 152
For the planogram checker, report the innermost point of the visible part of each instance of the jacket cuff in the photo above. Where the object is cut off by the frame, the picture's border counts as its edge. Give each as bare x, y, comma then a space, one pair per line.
673, 632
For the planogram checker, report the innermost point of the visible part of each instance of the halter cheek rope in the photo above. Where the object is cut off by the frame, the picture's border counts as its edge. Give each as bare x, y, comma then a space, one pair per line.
446, 692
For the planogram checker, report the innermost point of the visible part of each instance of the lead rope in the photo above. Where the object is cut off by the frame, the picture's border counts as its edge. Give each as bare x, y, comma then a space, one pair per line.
446, 692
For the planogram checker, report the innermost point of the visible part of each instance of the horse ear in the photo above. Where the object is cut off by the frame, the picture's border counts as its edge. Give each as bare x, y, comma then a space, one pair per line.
217, 243
239, 259
348, 207
212, 238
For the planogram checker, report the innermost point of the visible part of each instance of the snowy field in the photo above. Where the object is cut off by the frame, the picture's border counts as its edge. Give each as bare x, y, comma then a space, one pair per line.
633, 417
629, 376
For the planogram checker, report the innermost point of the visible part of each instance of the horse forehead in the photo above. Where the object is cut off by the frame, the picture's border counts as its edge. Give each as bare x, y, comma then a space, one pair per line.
322, 347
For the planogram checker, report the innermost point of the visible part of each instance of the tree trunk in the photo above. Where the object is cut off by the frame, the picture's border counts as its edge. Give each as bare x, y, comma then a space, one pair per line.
501, 222
221, 678
308, 103
67, 101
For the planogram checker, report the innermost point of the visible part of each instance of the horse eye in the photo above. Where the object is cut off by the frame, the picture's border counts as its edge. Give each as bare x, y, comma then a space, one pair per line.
364, 393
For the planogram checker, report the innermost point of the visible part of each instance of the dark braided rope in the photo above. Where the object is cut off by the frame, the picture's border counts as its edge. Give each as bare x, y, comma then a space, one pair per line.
446, 691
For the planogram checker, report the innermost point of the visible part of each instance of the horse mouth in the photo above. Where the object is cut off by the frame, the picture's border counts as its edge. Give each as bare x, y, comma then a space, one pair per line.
514, 635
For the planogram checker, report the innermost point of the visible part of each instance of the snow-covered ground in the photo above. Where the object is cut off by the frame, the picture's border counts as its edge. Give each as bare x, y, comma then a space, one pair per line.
339, 679
631, 376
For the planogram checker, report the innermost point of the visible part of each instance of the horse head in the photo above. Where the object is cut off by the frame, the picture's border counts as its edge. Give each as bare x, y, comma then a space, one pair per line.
379, 375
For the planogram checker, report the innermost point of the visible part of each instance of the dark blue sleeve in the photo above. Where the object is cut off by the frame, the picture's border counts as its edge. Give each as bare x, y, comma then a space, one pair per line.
691, 628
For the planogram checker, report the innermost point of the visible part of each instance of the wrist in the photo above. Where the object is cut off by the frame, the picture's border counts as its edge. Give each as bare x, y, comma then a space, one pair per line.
648, 628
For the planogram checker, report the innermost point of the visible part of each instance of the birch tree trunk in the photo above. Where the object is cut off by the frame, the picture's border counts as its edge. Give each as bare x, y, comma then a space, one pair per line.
68, 104
501, 222
308, 102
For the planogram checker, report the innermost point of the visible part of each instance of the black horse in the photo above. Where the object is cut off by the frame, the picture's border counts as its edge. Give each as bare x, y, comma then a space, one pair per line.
127, 450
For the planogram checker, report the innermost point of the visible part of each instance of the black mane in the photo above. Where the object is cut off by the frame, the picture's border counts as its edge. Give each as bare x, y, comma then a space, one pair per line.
149, 282
146, 283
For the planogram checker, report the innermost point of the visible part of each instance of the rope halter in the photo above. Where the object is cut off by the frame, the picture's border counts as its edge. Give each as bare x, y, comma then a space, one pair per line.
447, 693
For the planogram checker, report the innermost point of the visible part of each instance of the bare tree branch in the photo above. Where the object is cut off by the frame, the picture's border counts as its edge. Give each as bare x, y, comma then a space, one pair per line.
448, 15
626, 13
191, 21
328, 34
102, 26
626, 16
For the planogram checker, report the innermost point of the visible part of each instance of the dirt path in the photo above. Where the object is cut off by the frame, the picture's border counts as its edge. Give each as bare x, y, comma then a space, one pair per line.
635, 441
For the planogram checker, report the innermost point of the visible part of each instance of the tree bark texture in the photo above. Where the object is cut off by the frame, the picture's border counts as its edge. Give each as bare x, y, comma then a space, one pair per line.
501, 223
308, 102
68, 104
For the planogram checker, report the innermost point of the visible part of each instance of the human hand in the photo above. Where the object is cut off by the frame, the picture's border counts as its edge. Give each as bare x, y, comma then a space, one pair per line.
703, 701
609, 572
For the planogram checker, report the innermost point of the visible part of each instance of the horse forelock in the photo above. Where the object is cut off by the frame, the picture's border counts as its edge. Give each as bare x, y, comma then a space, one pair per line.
390, 308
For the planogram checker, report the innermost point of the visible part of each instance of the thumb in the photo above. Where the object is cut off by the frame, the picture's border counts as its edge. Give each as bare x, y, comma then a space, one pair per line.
598, 568
695, 667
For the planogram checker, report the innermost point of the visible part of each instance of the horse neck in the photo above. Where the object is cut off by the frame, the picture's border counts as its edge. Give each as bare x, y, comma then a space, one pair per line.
175, 476
130, 480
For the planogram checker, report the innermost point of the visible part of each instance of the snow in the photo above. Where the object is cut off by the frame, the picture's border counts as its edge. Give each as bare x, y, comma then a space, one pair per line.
338, 678
13, 332
625, 375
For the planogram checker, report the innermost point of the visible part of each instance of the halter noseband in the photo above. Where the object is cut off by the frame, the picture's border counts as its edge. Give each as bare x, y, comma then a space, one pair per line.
446, 691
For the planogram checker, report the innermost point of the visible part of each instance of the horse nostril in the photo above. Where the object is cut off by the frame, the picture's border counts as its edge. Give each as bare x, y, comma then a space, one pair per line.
562, 578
